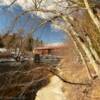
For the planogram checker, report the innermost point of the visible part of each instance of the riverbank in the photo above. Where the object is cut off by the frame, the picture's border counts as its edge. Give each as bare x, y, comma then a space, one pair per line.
53, 91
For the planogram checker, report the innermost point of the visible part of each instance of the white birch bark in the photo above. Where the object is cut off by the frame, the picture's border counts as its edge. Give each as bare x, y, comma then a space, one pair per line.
93, 17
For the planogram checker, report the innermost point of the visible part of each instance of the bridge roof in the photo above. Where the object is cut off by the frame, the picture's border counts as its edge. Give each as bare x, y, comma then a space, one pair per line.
49, 47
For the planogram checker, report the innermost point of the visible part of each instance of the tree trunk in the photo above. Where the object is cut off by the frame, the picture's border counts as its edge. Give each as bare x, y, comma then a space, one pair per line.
84, 47
93, 17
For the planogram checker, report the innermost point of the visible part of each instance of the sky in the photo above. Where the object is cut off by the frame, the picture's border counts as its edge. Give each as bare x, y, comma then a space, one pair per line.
47, 32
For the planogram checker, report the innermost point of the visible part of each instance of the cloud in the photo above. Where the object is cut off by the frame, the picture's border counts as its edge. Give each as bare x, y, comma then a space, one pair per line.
28, 4
24, 3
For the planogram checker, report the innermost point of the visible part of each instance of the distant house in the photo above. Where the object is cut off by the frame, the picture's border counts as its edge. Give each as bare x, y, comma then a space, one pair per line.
2, 50
4, 53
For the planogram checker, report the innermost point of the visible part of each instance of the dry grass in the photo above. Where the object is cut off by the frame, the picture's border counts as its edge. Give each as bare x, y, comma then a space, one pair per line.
24, 82
73, 70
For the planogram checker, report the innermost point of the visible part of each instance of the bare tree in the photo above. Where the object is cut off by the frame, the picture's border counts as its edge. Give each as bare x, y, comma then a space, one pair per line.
85, 40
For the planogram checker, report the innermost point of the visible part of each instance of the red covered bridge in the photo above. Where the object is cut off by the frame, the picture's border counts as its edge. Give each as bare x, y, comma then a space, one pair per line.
50, 49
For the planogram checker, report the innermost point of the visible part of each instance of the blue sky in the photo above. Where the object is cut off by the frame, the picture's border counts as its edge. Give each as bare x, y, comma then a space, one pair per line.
47, 33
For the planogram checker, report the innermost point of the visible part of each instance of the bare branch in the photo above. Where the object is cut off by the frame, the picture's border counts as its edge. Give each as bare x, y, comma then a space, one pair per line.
13, 2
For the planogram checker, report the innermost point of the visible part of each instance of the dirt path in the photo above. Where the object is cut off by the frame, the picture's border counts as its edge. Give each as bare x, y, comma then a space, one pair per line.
53, 91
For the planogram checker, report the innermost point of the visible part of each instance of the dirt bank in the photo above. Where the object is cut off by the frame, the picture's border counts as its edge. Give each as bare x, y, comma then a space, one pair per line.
53, 91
